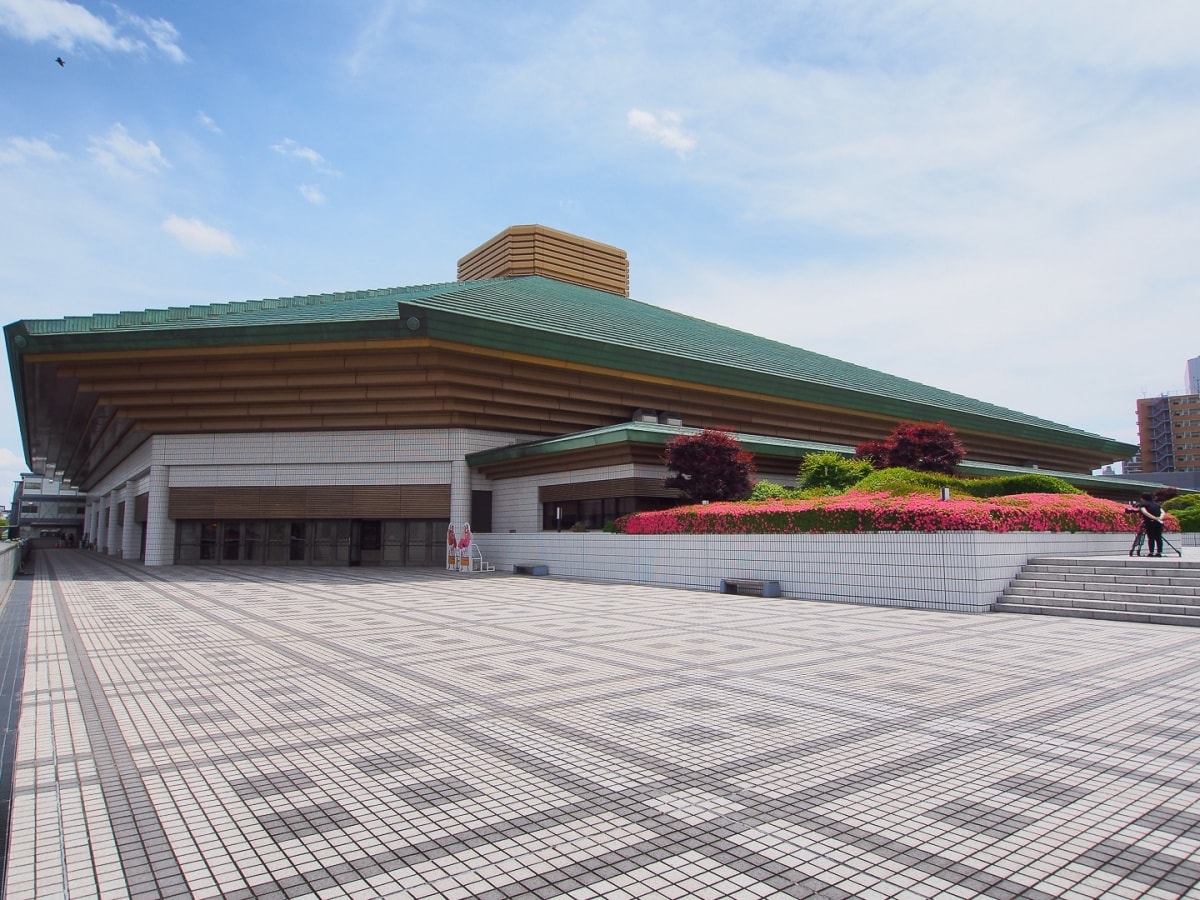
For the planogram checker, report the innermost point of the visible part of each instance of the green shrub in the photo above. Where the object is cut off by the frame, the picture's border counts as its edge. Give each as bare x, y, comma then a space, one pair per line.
832, 470
906, 481
1188, 517
1183, 501
769, 490
902, 482
1004, 485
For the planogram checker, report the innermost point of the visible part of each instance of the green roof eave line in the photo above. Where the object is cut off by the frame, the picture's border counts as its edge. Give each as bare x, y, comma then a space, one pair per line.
15, 340
203, 336
209, 315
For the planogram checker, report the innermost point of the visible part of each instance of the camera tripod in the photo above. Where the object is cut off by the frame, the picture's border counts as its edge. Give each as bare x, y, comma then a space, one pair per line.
1139, 541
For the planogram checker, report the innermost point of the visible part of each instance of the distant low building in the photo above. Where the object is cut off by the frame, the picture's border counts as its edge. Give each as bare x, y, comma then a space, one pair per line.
46, 511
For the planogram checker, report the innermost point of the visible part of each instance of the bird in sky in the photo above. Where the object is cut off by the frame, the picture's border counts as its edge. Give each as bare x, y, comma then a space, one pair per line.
60, 61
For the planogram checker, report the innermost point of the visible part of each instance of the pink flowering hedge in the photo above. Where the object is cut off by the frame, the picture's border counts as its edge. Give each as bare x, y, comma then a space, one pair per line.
854, 512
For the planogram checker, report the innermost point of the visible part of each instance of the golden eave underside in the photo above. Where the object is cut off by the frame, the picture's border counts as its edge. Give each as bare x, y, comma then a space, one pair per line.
87, 409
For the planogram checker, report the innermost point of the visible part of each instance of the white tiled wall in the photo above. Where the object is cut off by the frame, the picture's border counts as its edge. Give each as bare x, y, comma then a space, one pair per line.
424, 456
9, 559
960, 571
329, 448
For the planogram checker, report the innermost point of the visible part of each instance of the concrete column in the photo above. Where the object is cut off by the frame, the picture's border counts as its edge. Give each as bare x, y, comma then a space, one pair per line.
112, 539
160, 531
460, 492
90, 517
130, 532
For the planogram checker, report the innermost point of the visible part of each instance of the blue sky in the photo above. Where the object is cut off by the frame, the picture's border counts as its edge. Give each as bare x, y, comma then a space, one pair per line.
1001, 199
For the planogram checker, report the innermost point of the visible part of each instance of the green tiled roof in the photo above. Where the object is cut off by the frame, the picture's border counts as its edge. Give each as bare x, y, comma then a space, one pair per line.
544, 317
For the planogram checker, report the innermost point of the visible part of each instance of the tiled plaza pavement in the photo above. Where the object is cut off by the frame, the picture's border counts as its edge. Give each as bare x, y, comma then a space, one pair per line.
363, 733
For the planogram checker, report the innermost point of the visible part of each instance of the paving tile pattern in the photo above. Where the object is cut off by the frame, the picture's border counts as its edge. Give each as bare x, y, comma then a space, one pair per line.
14, 638
358, 733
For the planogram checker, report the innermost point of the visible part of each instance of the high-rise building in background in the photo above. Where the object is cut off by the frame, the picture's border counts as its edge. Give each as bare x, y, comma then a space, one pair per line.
1193, 376
1169, 429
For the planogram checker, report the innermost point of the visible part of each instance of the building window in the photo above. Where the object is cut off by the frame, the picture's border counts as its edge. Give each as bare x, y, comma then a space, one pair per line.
328, 542
595, 514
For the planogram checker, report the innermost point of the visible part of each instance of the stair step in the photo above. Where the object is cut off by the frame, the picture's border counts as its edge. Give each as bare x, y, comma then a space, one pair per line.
1111, 615
1099, 601
1160, 591
1073, 588
1181, 575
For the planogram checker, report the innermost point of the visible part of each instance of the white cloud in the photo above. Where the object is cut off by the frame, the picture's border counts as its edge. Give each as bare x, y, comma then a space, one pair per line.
161, 33
665, 130
312, 194
373, 39
70, 25
120, 154
17, 150
207, 121
289, 147
199, 237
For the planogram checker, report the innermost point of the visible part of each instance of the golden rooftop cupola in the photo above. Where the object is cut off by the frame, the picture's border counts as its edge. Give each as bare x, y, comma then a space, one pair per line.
538, 250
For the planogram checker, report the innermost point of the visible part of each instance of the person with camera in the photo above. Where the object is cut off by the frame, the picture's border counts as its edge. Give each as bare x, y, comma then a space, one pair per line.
1152, 520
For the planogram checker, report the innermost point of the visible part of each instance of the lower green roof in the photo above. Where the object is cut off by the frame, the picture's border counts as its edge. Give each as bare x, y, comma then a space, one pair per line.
765, 445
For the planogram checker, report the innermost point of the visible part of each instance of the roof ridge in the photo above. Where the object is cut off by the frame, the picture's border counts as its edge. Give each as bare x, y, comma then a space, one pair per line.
175, 314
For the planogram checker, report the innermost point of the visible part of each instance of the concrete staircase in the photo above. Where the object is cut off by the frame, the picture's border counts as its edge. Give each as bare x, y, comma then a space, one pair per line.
1161, 591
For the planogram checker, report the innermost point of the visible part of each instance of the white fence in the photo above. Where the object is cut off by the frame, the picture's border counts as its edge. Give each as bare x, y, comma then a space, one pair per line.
959, 571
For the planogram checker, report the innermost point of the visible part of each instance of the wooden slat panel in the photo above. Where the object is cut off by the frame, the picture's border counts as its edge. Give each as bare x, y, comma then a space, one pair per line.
329, 501
191, 503
425, 501
238, 503
284, 502
379, 501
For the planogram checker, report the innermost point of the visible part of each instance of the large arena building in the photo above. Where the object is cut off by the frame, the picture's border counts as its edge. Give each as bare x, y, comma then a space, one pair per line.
349, 429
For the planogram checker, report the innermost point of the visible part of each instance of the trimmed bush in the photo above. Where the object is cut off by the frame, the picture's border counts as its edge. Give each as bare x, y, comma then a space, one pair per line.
1189, 517
1003, 485
832, 470
903, 482
1183, 501
769, 490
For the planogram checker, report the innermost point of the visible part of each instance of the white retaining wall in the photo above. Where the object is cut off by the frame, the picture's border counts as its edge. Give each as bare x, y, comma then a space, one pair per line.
957, 571
10, 560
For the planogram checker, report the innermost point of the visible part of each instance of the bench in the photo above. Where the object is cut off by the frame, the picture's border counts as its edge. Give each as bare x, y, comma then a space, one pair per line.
756, 586
530, 568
